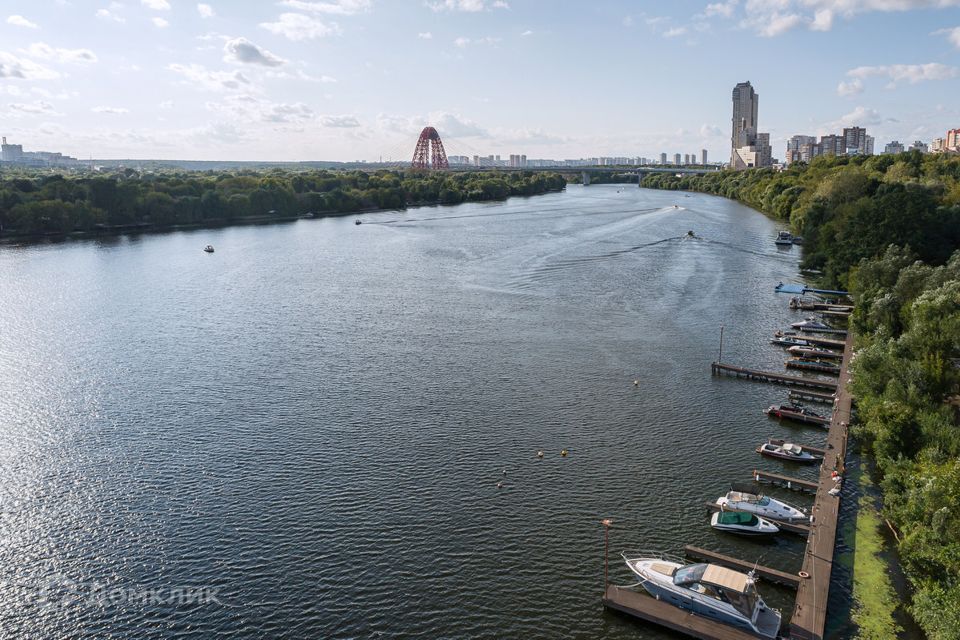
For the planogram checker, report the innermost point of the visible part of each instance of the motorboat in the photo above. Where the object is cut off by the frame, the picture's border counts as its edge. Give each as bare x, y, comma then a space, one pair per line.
208, 248
797, 239
789, 341
796, 412
802, 351
812, 324
740, 522
787, 451
690, 234
357, 221
727, 596
784, 238
761, 505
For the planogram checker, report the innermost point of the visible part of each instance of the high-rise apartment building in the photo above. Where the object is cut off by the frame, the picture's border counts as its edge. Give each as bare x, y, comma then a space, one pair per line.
953, 140
748, 148
893, 147
663, 158
676, 159
919, 145
703, 157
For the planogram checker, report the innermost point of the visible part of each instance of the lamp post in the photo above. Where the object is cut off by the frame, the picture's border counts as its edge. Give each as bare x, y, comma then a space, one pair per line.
720, 357
606, 522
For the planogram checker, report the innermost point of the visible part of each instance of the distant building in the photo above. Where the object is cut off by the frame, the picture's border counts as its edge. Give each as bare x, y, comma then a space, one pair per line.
938, 145
703, 157
795, 145
893, 147
663, 158
953, 140
854, 140
11, 152
676, 159
832, 145
748, 148
919, 145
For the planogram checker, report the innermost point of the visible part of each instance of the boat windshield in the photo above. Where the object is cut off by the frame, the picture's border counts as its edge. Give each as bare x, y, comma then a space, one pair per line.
743, 602
763, 501
737, 517
689, 574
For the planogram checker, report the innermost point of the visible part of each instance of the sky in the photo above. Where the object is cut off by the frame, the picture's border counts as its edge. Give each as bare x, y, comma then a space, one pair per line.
290, 80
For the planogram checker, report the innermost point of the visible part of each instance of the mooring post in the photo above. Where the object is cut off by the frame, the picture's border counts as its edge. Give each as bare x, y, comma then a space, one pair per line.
720, 357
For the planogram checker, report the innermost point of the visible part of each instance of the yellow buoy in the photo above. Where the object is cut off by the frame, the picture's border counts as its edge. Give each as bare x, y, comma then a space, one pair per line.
563, 453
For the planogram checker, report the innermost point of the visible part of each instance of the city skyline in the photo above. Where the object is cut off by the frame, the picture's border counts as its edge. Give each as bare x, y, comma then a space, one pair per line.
357, 79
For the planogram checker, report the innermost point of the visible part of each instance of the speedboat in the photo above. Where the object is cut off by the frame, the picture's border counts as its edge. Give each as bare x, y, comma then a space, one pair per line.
796, 412
784, 238
746, 524
761, 505
786, 451
357, 221
789, 341
812, 324
812, 352
208, 248
709, 590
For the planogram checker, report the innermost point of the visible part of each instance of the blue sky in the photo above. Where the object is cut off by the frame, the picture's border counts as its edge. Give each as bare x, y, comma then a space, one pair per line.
358, 79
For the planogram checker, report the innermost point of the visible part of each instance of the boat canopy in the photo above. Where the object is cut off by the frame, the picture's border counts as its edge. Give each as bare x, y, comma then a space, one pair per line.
737, 517
793, 448
726, 578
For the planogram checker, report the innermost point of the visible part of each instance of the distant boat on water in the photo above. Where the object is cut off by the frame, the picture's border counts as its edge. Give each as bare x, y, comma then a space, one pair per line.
208, 248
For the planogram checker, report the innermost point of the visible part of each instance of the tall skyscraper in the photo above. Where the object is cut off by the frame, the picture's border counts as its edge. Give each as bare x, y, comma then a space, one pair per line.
663, 158
703, 157
744, 121
676, 159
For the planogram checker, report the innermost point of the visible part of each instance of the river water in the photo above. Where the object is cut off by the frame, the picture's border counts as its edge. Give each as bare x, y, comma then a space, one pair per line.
301, 435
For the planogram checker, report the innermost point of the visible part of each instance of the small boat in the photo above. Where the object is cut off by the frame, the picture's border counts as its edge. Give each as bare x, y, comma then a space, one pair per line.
727, 596
357, 221
814, 325
208, 248
813, 352
812, 365
763, 506
690, 234
796, 412
787, 451
797, 239
784, 238
746, 524
789, 341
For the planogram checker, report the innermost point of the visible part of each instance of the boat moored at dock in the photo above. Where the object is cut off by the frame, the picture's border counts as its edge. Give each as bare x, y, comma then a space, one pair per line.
813, 352
796, 412
814, 325
727, 596
742, 523
761, 505
787, 451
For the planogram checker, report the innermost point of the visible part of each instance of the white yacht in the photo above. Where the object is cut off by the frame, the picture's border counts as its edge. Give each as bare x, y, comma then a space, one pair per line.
709, 590
784, 238
763, 506
746, 524
786, 451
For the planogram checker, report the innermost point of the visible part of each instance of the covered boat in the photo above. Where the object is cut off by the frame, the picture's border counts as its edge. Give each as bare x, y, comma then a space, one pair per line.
709, 590
795, 412
812, 324
787, 451
763, 506
813, 352
784, 238
746, 524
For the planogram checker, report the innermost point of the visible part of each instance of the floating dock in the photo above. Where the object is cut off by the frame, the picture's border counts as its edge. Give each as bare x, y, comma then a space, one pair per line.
810, 365
718, 368
823, 342
802, 289
642, 606
786, 482
768, 574
813, 396
792, 527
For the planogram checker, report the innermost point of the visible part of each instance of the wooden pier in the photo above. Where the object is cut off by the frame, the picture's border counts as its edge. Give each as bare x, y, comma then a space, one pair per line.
819, 367
796, 484
810, 612
770, 575
642, 606
813, 396
791, 527
718, 368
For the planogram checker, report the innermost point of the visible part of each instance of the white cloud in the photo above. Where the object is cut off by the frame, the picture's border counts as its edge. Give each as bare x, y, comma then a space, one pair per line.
35, 108
773, 17
778, 23
627, 21
911, 73
106, 14
469, 6
210, 80
340, 7
20, 21
953, 35
22, 69
156, 5
247, 108
110, 110
822, 20
166, 104
242, 51
675, 32
724, 9
425, 35
528, 32
159, 23
710, 131
205, 11
463, 42
862, 116
340, 122
300, 74
297, 26
851, 88
72, 56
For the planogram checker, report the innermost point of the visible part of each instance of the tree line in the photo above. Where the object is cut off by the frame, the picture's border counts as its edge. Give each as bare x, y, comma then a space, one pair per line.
888, 228
52, 203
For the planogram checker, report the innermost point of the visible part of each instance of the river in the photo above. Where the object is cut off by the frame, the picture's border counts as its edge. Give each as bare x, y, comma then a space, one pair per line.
301, 434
